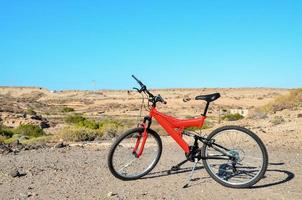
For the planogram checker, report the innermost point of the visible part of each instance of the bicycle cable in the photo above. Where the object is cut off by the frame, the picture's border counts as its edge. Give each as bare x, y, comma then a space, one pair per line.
141, 109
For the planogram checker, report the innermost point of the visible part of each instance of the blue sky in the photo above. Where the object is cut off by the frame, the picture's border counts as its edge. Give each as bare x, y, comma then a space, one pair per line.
63, 44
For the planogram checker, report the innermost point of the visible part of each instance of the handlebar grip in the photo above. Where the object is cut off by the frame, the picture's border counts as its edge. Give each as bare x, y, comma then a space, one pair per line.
134, 77
139, 82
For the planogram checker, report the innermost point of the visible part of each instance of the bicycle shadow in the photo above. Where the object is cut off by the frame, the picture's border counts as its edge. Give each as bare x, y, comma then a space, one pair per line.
288, 175
166, 172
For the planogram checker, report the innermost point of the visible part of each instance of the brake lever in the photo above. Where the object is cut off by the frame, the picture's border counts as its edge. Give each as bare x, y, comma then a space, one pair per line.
161, 99
138, 90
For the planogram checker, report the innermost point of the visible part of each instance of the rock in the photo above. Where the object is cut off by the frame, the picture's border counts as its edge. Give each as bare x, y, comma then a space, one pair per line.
4, 149
111, 194
12, 119
35, 146
60, 145
15, 173
16, 146
299, 115
186, 99
36, 117
35, 194
26, 194
44, 124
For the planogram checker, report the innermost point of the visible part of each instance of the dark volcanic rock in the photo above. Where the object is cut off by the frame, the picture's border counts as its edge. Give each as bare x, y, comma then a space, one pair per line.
5, 149
44, 124
15, 173
16, 146
36, 117
35, 146
60, 145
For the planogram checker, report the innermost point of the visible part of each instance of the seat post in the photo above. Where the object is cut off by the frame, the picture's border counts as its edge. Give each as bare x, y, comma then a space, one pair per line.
206, 109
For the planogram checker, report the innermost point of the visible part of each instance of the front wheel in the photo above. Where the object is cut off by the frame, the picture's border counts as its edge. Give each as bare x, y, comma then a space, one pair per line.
241, 157
123, 162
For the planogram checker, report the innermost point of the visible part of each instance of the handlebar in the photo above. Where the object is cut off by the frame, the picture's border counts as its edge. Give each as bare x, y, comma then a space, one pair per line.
153, 99
139, 82
160, 99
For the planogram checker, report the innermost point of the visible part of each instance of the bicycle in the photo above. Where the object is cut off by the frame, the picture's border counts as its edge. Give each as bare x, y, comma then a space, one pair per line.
232, 155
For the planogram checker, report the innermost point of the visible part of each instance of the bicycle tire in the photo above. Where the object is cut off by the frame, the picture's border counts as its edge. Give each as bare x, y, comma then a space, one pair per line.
259, 143
119, 140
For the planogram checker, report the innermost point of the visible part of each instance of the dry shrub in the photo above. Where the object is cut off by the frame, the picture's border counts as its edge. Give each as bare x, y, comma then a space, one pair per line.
77, 134
232, 117
277, 120
40, 140
29, 130
290, 101
108, 128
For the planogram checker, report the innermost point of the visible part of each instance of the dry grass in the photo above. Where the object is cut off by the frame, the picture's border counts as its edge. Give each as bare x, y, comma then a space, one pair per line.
77, 134
291, 101
277, 120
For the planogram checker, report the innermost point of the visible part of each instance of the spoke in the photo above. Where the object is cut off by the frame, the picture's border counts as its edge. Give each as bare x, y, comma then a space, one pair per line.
249, 173
245, 167
218, 155
247, 164
247, 154
252, 157
128, 164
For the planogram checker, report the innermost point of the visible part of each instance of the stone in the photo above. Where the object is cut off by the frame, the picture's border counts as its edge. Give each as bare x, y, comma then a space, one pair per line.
16, 146
111, 194
36, 117
186, 99
44, 124
15, 173
26, 194
60, 145
4, 149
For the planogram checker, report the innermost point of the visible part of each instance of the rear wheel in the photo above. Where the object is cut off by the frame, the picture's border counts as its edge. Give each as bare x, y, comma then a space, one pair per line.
124, 164
246, 161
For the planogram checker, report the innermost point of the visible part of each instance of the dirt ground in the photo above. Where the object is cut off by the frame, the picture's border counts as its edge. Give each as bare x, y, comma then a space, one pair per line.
80, 172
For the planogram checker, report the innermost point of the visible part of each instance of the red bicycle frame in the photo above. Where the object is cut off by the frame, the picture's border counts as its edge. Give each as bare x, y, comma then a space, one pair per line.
173, 126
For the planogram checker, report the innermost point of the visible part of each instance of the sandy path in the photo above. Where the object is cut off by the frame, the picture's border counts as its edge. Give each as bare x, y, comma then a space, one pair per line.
82, 173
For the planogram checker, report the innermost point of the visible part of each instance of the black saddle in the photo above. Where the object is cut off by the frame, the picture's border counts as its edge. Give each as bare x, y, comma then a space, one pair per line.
208, 98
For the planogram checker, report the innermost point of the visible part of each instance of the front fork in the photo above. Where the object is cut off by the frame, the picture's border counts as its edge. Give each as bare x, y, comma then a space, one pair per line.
142, 137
